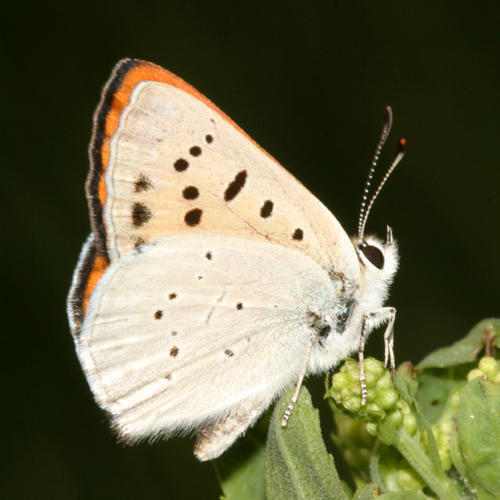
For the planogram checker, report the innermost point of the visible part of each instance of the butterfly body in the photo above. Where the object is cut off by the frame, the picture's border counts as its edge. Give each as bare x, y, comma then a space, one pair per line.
211, 275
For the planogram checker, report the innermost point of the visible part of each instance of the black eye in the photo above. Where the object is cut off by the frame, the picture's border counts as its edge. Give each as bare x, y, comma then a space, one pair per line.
374, 255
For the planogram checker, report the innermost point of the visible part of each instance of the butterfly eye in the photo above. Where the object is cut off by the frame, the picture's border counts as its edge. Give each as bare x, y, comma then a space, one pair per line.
373, 254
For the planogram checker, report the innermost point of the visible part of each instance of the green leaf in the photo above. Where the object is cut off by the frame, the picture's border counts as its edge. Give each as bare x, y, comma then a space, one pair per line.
297, 463
478, 428
241, 470
366, 492
465, 350
375, 472
457, 457
435, 387
403, 495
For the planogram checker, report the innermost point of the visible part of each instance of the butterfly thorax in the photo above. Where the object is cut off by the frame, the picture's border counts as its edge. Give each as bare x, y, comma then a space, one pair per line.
338, 328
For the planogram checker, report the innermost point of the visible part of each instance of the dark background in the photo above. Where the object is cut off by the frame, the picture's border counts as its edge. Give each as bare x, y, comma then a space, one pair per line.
309, 83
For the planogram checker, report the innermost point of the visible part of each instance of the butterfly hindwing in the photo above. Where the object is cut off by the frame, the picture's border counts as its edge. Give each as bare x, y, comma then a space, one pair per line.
175, 335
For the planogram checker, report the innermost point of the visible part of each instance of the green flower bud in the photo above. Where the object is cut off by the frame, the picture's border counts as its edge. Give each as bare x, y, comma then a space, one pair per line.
410, 423
352, 404
351, 367
475, 373
346, 393
385, 382
373, 408
339, 381
373, 371
452, 403
396, 418
442, 433
409, 480
387, 399
488, 366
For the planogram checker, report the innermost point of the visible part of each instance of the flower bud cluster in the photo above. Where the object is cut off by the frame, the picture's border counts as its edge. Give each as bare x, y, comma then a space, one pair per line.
383, 402
487, 368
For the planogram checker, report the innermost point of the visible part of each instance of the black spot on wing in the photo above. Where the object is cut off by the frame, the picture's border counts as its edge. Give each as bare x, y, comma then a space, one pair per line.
324, 331
142, 183
174, 351
228, 353
235, 186
140, 214
298, 234
138, 243
239, 306
266, 209
208, 255
195, 151
181, 164
190, 193
172, 296
158, 314
193, 217
209, 138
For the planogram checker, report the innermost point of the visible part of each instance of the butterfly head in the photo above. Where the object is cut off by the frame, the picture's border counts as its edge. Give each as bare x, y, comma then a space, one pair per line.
378, 258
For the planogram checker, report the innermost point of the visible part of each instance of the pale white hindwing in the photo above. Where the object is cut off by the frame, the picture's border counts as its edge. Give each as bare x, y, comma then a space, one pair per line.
181, 331
177, 165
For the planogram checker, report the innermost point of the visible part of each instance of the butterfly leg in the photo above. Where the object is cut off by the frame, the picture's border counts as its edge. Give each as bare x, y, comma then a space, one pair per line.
370, 321
389, 341
302, 374
215, 439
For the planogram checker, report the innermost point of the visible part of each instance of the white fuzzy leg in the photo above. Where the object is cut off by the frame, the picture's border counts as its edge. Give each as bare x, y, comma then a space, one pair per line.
384, 314
289, 408
361, 357
389, 340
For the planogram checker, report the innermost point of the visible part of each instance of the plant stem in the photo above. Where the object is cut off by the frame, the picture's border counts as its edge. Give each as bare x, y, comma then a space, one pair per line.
437, 480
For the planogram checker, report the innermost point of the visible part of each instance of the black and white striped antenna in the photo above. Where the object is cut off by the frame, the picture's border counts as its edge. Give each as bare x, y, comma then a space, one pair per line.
365, 205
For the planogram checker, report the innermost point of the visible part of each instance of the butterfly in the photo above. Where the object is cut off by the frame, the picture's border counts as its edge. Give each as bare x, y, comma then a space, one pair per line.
212, 280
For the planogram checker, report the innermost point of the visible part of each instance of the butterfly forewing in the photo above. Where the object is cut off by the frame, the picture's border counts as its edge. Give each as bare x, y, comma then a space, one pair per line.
177, 164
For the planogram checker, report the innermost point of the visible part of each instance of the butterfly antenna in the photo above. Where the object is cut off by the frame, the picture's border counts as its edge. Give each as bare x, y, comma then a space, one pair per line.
399, 156
386, 129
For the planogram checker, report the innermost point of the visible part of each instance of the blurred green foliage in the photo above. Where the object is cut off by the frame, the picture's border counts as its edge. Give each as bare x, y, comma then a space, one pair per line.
389, 445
